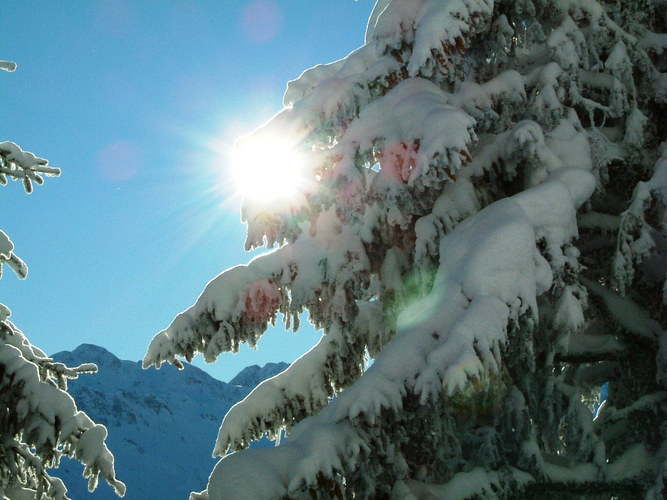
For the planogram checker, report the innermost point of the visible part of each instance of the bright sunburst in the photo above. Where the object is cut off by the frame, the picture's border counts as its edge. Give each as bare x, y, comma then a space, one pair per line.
266, 169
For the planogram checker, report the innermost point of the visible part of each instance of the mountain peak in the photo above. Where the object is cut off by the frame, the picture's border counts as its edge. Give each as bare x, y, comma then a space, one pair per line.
149, 414
251, 375
88, 353
91, 349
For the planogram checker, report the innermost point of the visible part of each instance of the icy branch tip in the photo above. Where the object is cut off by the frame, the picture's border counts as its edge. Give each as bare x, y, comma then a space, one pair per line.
8, 66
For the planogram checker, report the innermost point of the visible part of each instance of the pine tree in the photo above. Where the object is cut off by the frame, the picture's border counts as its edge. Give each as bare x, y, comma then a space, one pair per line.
480, 212
39, 420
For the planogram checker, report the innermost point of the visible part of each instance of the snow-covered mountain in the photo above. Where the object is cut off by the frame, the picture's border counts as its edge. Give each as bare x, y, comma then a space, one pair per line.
162, 424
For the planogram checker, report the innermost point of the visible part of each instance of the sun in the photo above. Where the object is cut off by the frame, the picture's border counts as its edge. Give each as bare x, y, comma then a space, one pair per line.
267, 169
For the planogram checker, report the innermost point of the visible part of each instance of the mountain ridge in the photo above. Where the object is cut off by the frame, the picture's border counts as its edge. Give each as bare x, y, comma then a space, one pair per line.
162, 424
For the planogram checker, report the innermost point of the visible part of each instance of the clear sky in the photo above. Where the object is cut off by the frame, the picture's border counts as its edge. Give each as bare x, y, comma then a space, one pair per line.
138, 103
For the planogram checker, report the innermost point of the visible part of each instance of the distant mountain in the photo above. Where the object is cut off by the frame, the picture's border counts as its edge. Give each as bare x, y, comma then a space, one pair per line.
252, 375
162, 424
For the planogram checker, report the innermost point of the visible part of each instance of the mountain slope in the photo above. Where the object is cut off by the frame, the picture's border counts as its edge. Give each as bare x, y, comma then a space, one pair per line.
161, 423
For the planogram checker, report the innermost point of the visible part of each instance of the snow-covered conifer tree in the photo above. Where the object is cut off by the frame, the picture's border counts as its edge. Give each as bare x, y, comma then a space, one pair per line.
39, 420
479, 209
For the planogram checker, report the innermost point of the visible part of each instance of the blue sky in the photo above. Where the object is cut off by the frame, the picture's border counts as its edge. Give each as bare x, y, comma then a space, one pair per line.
138, 102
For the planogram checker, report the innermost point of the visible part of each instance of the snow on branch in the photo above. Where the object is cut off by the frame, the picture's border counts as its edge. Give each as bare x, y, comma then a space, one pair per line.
330, 448
8, 256
216, 322
425, 141
8, 66
637, 235
491, 272
451, 165
307, 386
433, 30
325, 263
629, 316
18, 164
479, 282
327, 97
282, 401
624, 474
45, 423
415, 112
39, 420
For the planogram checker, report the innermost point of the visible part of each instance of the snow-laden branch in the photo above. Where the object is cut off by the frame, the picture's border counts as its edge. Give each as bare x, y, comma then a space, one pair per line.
45, 423
306, 387
436, 29
327, 97
236, 306
253, 473
39, 420
283, 400
18, 164
637, 237
8, 256
622, 474
8, 66
447, 161
491, 271
414, 114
